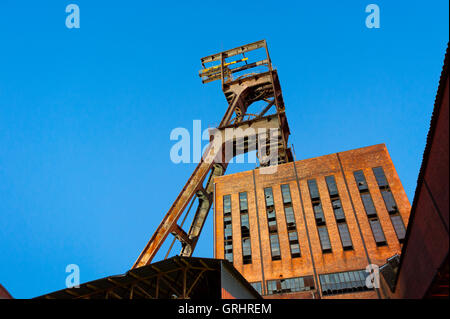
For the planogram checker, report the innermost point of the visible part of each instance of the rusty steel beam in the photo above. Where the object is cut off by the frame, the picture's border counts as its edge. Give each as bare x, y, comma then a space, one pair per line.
240, 93
232, 52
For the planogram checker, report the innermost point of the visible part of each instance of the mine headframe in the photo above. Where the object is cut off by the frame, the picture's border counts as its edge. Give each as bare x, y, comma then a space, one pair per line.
248, 82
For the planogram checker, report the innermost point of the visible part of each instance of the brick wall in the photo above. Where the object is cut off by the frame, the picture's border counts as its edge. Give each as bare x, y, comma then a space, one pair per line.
339, 260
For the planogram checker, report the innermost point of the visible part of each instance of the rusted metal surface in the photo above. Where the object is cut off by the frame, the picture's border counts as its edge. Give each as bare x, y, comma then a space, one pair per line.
174, 278
240, 91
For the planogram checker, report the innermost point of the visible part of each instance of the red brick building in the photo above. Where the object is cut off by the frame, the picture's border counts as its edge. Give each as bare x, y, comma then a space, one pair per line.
311, 229
423, 271
4, 294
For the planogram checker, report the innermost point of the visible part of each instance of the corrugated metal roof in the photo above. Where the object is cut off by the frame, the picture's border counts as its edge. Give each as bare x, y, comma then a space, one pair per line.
170, 272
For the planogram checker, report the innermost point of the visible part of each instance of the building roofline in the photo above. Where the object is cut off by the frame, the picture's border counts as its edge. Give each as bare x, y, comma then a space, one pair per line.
430, 136
307, 159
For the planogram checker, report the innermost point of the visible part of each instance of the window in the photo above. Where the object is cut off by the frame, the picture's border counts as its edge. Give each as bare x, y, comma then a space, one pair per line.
290, 219
339, 214
275, 247
399, 227
246, 251
313, 190
293, 243
318, 213
377, 232
380, 177
344, 282
227, 204
272, 220
332, 188
368, 204
228, 231
279, 286
369, 207
269, 196
319, 216
243, 202
290, 222
286, 193
360, 181
272, 223
245, 229
390, 203
345, 236
338, 211
324, 239
245, 226
257, 286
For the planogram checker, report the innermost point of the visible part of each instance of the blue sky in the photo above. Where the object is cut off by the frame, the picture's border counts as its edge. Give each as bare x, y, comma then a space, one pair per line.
86, 114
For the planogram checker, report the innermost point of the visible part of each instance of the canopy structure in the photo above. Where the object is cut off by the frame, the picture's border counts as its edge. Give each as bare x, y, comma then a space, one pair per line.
174, 278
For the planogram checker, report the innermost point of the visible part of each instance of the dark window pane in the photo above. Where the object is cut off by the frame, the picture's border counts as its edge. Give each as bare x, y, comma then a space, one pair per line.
286, 194
344, 282
290, 285
368, 204
293, 238
313, 190
378, 233
275, 247
318, 213
391, 206
246, 251
338, 210
228, 232
245, 226
244, 220
331, 184
324, 238
399, 227
227, 204
290, 219
271, 220
380, 177
257, 286
243, 201
295, 251
345, 235
269, 196
246, 248
360, 180
294, 245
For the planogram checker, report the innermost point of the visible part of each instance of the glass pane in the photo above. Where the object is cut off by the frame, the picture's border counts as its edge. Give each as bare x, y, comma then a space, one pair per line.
380, 177
227, 204
243, 201
274, 245
337, 208
377, 231
360, 180
324, 238
257, 286
318, 212
368, 204
399, 227
313, 190
345, 235
286, 194
269, 196
331, 184
290, 219
391, 206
